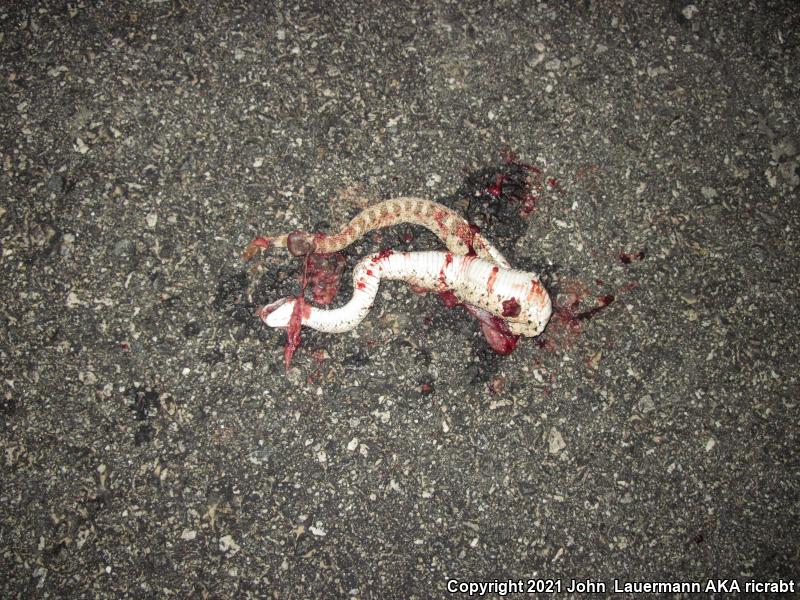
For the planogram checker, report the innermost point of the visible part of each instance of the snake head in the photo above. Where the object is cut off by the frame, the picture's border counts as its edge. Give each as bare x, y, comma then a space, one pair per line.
300, 243
278, 313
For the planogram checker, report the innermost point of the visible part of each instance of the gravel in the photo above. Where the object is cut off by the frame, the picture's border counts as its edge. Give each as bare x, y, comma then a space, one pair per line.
154, 446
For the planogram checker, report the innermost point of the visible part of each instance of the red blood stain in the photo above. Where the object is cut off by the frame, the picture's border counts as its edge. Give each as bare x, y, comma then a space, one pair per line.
361, 285
498, 336
293, 331
495, 330
602, 303
566, 323
536, 290
426, 389
449, 298
324, 271
492, 278
440, 217
528, 205
385, 253
466, 232
521, 184
496, 189
627, 258
511, 308
448, 260
262, 243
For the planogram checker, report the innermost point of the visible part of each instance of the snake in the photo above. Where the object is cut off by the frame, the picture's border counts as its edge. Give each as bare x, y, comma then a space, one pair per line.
472, 273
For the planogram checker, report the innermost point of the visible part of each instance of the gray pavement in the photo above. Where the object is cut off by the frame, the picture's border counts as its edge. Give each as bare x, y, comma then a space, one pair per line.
153, 445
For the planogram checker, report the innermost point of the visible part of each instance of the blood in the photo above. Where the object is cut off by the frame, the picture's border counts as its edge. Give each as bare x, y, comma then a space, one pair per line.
448, 260
439, 216
496, 189
602, 303
498, 336
519, 183
627, 258
528, 205
495, 329
293, 331
492, 278
260, 243
511, 308
466, 232
449, 298
566, 323
324, 271
385, 253
536, 290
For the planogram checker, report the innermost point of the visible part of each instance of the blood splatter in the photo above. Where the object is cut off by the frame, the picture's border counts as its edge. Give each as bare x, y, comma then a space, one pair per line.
602, 303
498, 336
260, 243
324, 272
495, 330
496, 189
492, 278
293, 331
566, 323
449, 298
519, 183
385, 253
627, 258
511, 308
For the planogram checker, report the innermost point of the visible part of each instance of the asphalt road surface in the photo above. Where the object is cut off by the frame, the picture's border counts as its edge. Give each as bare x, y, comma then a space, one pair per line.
642, 157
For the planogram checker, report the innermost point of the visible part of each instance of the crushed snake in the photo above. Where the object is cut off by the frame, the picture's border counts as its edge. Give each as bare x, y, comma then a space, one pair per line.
473, 273
455, 231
